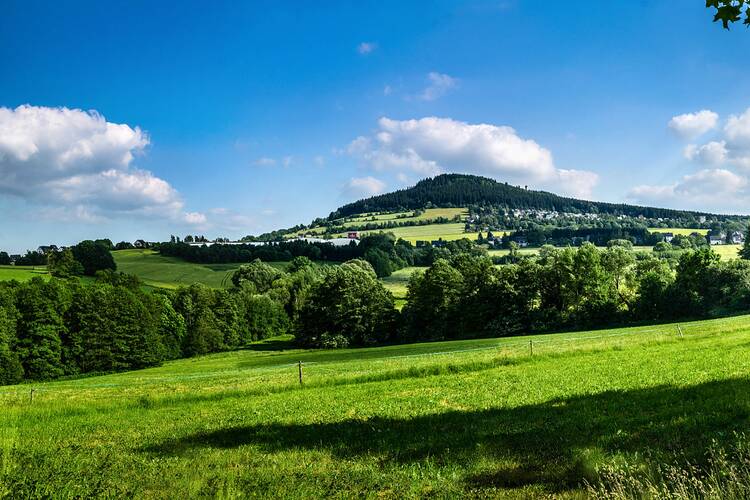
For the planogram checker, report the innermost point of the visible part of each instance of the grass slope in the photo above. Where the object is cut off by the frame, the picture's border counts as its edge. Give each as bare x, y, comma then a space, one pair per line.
448, 232
448, 419
169, 272
22, 273
679, 230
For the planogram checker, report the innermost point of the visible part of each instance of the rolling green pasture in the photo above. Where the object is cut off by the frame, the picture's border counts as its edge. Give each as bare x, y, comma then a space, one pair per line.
478, 418
169, 272
428, 214
22, 273
448, 232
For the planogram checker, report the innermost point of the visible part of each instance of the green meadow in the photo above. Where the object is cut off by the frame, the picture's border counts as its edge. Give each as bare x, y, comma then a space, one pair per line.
448, 232
158, 271
513, 417
22, 273
679, 230
169, 272
427, 214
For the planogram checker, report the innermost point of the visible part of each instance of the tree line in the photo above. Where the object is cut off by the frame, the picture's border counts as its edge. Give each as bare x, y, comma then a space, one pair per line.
65, 327
381, 250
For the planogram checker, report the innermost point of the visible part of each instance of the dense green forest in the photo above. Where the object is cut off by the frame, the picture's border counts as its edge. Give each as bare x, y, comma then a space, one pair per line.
459, 190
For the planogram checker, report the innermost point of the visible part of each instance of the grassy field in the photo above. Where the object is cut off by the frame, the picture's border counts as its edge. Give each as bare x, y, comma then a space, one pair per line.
428, 214
22, 273
396, 283
472, 418
679, 230
448, 232
168, 272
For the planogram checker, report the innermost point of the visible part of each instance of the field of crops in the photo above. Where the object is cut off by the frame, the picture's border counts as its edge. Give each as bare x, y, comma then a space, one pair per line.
493, 417
22, 273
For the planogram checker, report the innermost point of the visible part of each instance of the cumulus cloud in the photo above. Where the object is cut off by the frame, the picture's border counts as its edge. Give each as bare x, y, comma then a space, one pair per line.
439, 85
709, 188
430, 146
196, 218
358, 187
737, 130
365, 48
732, 149
712, 153
692, 125
80, 162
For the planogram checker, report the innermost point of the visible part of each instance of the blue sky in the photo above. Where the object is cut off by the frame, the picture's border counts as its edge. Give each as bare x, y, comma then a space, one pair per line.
140, 120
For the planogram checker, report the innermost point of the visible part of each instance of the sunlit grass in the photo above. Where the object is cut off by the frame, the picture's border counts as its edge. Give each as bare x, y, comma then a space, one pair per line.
22, 273
451, 419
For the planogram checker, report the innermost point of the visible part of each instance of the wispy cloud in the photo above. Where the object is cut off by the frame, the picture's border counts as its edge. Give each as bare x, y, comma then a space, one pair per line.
366, 48
439, 85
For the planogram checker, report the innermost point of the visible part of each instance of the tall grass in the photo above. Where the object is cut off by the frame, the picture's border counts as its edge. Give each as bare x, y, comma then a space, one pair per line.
725, 476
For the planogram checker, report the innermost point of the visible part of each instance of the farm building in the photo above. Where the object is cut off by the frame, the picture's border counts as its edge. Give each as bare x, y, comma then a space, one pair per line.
717, 239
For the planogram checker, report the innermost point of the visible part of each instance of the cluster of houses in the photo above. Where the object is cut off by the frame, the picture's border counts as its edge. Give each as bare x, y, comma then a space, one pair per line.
734, 238
351, 236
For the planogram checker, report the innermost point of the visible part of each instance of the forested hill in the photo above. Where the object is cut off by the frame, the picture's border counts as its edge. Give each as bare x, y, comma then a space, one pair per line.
460, 190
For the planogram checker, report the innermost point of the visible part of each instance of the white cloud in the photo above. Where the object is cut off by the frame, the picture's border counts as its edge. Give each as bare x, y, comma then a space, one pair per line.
196, 218
712, 153
79, 161
365, 48
430, 146
264, 162
692, 125
319, 160
287, 161
387, 90
708, 188
358, 187
737, 130
439, 85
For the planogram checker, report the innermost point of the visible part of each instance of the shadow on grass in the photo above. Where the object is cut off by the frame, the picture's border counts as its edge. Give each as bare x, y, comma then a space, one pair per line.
272, 345
549, 444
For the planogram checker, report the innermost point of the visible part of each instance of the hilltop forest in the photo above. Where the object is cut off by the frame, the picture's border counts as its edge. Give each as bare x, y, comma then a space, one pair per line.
460, 190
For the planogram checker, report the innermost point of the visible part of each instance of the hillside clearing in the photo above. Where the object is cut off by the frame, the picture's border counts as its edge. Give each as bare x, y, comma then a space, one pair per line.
430, 232
22, 273
679, 230
462, 418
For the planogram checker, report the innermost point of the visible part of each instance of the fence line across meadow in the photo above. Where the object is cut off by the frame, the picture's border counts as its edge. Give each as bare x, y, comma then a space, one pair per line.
520, 346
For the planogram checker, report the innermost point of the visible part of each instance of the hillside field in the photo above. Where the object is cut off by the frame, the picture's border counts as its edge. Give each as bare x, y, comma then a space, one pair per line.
428, 214
22, 273
169, 272
447, 419
679, 230
448, 232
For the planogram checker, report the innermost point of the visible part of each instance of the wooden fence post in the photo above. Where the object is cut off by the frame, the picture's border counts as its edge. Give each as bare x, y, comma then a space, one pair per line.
680, 331
300, 372
31, 396
531, 347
